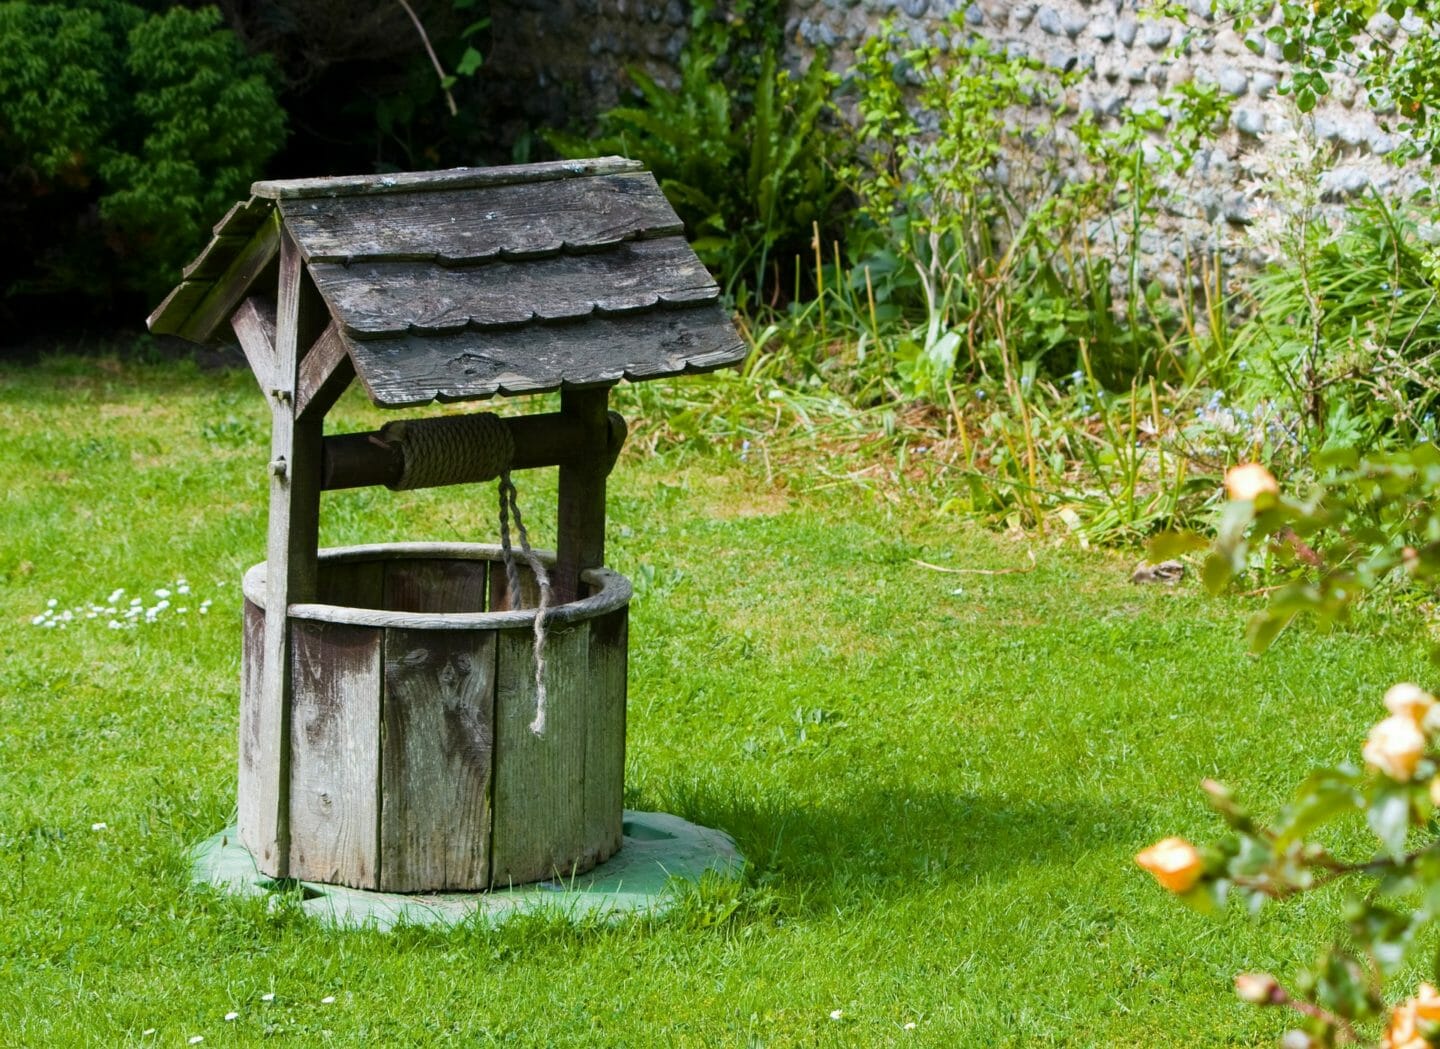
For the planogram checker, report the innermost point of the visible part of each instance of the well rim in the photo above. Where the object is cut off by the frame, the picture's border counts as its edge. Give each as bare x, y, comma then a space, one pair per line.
613, 591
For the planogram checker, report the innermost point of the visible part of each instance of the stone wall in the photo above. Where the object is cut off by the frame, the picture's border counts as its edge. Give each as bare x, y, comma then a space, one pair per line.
575, 50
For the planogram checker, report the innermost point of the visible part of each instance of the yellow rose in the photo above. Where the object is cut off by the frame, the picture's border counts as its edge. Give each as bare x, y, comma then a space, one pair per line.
1409, 700
1403, 1031
1257, 988
1175, 863
1426, 1004
1248, 481
1395, 746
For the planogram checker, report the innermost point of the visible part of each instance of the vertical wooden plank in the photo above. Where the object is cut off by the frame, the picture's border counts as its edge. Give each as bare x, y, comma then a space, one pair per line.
354, 584
434, 585
295, 449
499, 600
438, 760
580, 526
252, 703
605, 734
539, 820
335, 753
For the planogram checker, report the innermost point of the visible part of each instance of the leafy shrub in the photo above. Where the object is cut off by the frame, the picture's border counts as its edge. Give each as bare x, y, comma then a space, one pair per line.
1347, 330
125, 135
747, 153
1373, 524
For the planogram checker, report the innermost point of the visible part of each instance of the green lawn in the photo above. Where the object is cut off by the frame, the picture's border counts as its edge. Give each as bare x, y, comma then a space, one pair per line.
939, 780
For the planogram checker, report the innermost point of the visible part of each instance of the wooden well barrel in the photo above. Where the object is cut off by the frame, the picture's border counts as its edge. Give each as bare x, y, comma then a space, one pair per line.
412, 765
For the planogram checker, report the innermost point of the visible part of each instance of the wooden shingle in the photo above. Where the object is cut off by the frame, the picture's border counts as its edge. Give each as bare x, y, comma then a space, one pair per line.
477, 282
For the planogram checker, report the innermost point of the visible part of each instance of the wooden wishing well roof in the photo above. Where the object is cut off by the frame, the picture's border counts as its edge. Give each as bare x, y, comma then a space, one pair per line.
463, 284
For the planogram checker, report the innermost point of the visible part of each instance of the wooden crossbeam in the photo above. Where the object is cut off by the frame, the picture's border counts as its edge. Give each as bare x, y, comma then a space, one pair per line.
254, 324
324, 374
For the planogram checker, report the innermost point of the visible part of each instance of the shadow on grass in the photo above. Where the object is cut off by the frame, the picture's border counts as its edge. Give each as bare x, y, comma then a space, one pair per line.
893, 843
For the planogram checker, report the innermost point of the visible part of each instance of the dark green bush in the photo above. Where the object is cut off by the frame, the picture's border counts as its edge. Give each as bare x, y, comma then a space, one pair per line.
748, 153
124, 135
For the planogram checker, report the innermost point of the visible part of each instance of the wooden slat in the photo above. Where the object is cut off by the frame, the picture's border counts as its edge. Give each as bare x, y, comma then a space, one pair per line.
324, 375
355, 584
414, 370
605, 733
216, 257
251, 794
438, 760
170, 316
499, 598
435, 586
243, 218
295, 452
234, 285
335, 753
392, 298
450, 178
254, 325
539, 811
457, 226
580, 524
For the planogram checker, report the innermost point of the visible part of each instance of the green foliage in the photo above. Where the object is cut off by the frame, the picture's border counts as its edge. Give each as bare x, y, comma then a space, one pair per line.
126, 133
1346, 331
747, 152
984, 221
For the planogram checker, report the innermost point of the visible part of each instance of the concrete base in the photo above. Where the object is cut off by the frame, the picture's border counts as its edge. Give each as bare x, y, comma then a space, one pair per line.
658, 848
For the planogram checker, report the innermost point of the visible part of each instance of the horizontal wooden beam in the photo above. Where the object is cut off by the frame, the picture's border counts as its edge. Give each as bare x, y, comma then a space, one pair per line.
357, 460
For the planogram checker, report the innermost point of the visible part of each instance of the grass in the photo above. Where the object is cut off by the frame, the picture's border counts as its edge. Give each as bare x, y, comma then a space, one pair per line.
938, 779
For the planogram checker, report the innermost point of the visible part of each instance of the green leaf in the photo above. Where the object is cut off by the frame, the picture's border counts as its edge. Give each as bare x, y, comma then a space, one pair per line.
1389, 818
470, 62
1216, 572
1170, 544
1265, 627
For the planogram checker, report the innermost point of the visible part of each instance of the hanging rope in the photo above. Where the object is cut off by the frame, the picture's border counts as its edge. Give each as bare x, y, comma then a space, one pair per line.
508, 507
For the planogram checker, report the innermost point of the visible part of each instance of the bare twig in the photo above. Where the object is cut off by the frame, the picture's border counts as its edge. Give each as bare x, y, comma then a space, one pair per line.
434, 58
978, 571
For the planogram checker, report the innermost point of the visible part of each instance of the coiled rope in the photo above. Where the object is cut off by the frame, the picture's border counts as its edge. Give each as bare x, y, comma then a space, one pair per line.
458, 449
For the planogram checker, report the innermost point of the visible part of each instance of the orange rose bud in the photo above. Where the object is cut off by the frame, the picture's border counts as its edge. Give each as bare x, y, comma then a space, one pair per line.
1248, 481
1409, 700
1395, 747
1175, 863
1257, 988
1426, 1004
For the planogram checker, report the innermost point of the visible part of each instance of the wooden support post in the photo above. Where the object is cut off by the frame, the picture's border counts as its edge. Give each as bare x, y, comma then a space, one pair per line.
295, 447
580, 542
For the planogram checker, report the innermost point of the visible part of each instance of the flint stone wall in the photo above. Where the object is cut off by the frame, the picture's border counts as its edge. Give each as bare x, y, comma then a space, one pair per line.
575, 52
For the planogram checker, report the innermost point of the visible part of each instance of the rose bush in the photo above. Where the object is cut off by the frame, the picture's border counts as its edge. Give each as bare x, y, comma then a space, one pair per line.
1372, 525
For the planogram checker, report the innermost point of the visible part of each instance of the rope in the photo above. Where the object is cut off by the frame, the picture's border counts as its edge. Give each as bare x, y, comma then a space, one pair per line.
453, 449
509, 506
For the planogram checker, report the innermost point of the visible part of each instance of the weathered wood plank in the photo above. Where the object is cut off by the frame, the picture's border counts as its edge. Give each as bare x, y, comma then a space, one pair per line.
324, 375
254, 324
216, 256
354, 584
450, 178
250, 793
539, 805
335, 753
605, 733
295, 452
499, 597
391, 298
243, 218
435, 586
474, 225
580, 524
233, 286
414, 370
170, 316
438, 760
